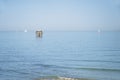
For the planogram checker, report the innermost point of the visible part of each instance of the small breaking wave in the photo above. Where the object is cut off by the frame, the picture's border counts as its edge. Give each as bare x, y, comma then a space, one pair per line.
60, 78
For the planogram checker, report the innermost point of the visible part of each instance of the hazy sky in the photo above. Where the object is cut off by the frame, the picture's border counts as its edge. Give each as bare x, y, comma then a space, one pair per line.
60, 15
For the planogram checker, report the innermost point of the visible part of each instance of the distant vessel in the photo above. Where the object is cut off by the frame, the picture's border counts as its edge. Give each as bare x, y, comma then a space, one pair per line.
25, 30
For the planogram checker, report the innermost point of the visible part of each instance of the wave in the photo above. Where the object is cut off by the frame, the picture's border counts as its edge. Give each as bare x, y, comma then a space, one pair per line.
66, 60
99, 69
76, 68
105, 50
49, 66
96, 61
11, 70
60, 78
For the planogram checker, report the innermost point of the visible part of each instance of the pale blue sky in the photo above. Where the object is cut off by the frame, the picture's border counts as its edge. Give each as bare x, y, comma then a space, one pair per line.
71, 15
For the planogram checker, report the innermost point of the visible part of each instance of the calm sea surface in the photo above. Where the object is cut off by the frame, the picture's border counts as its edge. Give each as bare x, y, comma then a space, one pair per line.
92, 55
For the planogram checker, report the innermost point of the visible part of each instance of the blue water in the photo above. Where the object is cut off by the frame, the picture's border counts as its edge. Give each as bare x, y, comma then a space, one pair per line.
92, 55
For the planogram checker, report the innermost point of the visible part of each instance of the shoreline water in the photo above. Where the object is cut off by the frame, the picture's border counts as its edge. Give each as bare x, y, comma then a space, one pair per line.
68, 55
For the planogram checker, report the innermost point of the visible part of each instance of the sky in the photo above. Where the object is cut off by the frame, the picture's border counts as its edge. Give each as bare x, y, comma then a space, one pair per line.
60, 15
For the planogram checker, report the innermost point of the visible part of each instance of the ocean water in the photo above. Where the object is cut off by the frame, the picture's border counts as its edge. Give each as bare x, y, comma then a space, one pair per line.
91, 55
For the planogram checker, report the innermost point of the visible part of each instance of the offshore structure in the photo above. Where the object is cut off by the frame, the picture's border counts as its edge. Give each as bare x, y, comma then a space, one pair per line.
39, 33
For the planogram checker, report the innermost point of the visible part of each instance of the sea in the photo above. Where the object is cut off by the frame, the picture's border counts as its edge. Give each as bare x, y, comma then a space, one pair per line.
70, 54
